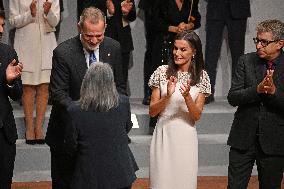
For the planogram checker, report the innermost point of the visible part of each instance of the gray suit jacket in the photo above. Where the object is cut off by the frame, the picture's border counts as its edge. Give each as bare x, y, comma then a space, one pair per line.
68, 69
257, 113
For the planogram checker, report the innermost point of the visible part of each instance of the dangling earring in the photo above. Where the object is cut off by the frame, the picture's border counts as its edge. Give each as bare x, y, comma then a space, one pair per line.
193, 59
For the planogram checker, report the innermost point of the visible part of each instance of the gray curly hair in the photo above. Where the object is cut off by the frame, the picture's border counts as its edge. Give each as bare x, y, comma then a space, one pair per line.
276, 27
98, 90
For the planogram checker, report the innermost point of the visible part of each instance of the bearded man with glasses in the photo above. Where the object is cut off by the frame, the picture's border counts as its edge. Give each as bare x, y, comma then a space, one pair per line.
257, 133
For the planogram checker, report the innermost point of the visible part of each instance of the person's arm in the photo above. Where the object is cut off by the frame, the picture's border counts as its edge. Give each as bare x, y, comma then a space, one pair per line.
131, 15
194, 108
59, 81
13, 76
53, 15
71, 135
240, 93
157, 103
19, 18
129, 123
273, 93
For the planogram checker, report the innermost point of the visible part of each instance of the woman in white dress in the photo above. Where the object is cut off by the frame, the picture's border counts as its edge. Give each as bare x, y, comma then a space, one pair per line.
178, 94
35, 22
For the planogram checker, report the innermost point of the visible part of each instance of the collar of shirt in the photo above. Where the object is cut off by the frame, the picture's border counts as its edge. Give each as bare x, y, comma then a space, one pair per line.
276, 61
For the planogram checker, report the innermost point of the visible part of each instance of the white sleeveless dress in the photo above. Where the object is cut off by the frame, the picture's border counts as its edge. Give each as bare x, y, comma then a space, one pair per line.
174, 146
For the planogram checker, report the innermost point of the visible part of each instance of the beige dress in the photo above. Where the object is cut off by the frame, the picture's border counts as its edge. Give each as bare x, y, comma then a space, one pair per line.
174, 146
34, 38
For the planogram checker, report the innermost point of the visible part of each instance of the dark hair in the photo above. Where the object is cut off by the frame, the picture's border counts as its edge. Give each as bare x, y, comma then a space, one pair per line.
197, 63
2, 13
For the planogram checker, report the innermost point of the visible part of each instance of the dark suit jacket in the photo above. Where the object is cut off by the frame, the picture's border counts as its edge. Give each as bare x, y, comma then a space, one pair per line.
82, 4
99, 142
7, 121
68, 69
240, 9
115, 29
257, 111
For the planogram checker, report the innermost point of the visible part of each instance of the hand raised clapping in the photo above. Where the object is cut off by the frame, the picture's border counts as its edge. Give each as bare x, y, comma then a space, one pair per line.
110, 7
33, 8
126, 6
46, 7
13, 71
267, 85
171, 86
185, 88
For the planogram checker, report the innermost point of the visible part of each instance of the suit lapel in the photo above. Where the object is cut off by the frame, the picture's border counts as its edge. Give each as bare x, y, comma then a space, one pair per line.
279, 68
103, 52
80, 60
259, 69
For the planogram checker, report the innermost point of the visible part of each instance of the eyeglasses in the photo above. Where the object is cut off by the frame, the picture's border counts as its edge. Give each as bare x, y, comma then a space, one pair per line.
263, 42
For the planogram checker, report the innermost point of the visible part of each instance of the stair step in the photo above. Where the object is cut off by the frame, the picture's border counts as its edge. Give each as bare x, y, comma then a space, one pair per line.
30, 159
216, 119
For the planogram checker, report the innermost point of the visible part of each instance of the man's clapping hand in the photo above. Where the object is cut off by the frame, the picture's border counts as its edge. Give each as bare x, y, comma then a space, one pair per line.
13, 71
267, 85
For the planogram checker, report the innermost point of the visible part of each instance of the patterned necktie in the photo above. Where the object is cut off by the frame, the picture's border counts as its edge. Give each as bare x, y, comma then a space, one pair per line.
270, 65
92, 58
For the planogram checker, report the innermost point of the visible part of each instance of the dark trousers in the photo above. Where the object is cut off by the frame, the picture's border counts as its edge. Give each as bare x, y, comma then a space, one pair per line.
270, 168
214, 35
62, 169
150, 38
7, 159
125, 56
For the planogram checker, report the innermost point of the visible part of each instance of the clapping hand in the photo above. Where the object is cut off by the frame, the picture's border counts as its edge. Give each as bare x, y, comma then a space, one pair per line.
171, 86
13, 71
267, 85
46, 7
126, 6
33, 8
110, 7
185, 88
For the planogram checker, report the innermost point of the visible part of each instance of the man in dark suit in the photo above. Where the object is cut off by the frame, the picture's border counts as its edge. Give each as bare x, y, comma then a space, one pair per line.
70, 61
220, 13
257, 133
10, 86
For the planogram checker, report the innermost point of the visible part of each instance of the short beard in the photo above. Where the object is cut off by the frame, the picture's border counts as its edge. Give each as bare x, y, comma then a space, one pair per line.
87, 46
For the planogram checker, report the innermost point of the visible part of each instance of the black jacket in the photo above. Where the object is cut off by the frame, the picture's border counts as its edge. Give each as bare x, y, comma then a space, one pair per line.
99, 142
68, 69
7, 121
257, 113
